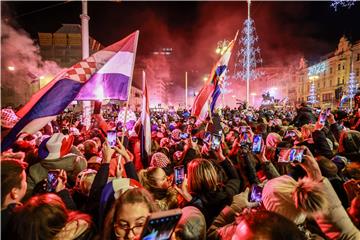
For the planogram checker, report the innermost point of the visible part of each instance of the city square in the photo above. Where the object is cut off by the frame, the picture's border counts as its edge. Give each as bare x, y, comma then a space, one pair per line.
180, 120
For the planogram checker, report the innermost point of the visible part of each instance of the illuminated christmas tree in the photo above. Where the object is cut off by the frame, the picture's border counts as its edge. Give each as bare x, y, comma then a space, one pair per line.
249, 55
312, 94
352, 87
342, 3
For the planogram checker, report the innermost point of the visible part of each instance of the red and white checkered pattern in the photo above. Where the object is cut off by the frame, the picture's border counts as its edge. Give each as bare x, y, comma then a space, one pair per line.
130, 116
8, 118
82, 71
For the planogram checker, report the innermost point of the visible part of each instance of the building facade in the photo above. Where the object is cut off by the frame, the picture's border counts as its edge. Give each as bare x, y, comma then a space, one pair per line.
330, 75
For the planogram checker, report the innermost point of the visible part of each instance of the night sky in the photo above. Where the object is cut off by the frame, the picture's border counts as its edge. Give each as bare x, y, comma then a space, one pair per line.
286, 30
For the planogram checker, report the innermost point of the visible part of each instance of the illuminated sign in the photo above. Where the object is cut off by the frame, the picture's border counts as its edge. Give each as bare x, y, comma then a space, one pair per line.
316, 69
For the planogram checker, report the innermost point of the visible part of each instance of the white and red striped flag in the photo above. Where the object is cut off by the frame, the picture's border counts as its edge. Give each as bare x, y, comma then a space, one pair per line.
145, 128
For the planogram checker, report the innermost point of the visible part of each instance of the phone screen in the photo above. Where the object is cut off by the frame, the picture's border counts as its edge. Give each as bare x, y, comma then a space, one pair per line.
322, 118
328, 111
216, 139
184, 135
52, 181
255, 194
243, 129
161, 227
207, 137
111, 138
179, 174
256, 148
296, 155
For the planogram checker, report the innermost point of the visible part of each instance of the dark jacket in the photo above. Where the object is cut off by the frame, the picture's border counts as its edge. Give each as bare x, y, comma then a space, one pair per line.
214, 201
5, 217
321, 145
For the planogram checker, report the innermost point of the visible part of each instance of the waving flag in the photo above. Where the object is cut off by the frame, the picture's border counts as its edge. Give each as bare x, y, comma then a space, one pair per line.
211, 89
63, 89
145, 128
112, 80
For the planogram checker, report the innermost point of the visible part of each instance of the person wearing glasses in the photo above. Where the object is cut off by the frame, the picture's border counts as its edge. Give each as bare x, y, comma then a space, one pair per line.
127, 217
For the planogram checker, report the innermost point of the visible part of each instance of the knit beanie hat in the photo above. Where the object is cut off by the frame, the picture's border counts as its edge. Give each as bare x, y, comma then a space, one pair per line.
191, 224
175, 135
294, 200
160, 160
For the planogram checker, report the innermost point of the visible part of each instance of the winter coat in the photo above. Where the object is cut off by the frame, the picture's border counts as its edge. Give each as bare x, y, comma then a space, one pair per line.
335, 223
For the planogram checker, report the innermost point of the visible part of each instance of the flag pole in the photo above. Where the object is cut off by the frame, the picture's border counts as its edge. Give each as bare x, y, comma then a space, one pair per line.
186, 90
130, 84
128, 94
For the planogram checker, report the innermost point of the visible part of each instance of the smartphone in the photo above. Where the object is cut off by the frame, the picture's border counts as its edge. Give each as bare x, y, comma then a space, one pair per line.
322, 118
184, 135
207, 137
243, 128
244, 139
255, 193
97, 107
328, 111
215, 142
52, 180
160, 225
296, 155
290, 134
111, 138
256, 147
292, 155
179, 174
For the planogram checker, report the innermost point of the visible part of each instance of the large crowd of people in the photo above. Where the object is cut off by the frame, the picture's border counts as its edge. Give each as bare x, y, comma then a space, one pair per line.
243, 173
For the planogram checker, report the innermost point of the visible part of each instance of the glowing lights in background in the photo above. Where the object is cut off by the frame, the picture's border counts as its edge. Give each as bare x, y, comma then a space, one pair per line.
272, 91
342, 4
312, 99
222, 46
317, 69
11, 68
248, 57
99, 92
352, 87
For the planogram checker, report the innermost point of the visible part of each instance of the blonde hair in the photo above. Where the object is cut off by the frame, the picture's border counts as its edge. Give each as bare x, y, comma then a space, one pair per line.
85, 180
166, 198
307, 129
146, 177
202, 176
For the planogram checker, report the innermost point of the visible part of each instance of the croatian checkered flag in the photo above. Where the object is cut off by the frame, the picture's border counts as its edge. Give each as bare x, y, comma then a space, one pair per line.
62, 90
